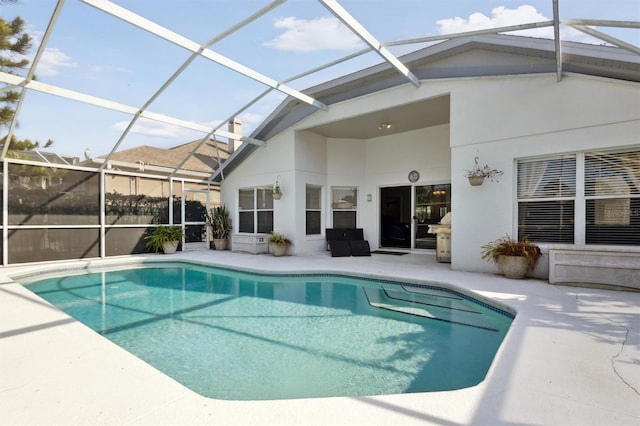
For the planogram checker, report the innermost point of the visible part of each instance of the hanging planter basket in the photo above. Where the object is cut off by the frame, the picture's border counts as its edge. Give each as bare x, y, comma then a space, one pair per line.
476, 180
477, 175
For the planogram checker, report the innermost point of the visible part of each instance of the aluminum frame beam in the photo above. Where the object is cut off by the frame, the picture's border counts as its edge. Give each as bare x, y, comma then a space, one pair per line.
179, 71
175, 38
556, 39
104, 103
216, 130
339, 12
487, 31
609, 39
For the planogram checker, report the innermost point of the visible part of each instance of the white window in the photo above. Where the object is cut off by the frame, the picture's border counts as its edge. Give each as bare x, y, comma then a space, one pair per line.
313, 210
255, 210
603, 208
546, 199
344, 205
612, 195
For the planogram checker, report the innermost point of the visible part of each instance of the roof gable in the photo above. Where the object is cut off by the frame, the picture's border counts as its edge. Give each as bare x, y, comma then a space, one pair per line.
476, 56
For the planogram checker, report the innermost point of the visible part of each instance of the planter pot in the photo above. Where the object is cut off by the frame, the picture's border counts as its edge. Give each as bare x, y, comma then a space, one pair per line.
170, 247
277, 195
278, 249
220, 243
476, 180
514, 266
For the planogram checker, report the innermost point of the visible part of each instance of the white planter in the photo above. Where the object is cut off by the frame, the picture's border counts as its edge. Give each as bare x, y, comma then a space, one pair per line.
170, 247
278, 249
514, 266
220, 243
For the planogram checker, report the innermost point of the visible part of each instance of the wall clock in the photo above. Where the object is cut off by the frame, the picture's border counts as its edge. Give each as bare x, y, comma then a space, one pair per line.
413, 176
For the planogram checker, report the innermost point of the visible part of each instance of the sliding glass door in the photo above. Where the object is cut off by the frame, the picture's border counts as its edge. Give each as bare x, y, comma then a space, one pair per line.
432, 202
407, 211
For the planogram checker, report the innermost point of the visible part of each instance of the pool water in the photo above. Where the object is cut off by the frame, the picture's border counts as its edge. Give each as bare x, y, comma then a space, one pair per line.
238, 336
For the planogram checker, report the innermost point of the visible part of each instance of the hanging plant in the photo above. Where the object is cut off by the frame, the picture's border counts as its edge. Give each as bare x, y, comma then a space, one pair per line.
478, 174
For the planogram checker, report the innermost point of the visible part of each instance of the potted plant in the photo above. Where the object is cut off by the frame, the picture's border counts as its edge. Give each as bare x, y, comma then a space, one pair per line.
478, 174
166, 237
278, 243
516, 257
220, 223
277, 192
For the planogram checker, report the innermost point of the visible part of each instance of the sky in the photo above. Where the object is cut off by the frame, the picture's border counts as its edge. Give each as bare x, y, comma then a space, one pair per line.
95, 53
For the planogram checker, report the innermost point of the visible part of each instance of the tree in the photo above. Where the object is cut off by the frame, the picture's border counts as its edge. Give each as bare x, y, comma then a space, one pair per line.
13, 42
24, 144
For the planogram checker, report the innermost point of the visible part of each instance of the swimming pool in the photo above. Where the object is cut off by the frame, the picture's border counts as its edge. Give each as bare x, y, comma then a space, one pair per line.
241, 336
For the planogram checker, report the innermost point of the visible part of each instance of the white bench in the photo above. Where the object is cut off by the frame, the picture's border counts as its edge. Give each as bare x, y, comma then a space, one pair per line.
595, 265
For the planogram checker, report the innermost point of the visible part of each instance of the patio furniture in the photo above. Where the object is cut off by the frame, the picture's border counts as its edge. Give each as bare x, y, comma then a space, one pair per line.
347, 242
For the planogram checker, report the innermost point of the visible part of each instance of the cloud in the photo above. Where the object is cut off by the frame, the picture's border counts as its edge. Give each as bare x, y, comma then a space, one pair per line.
502, 17
51, 60
250, 120
302, 35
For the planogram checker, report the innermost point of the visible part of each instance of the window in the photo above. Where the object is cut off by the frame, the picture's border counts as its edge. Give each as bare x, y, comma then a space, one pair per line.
612, 193
313, 211
608, 199
255, 209
546, 199
344, 203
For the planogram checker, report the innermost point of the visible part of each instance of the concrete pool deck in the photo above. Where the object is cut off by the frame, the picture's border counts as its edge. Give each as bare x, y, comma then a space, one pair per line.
571, 357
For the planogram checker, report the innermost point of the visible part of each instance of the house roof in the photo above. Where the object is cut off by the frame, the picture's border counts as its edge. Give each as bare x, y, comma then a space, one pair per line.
476, 56
48, 157
202, 159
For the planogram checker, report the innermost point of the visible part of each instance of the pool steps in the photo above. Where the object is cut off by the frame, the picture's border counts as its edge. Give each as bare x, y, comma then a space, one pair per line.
428, 304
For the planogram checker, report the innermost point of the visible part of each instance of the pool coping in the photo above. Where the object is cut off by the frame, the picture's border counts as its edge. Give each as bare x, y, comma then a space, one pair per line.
571, 356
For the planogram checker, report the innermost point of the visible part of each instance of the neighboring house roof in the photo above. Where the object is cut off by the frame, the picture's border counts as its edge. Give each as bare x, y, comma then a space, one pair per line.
151, 159
478, 56
47, 157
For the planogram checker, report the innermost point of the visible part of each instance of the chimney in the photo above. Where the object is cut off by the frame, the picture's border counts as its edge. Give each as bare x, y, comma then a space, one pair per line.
235, 126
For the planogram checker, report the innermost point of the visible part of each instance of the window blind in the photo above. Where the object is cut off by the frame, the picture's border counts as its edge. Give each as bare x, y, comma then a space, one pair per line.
612, 192
546, 207
547, 178
612, 173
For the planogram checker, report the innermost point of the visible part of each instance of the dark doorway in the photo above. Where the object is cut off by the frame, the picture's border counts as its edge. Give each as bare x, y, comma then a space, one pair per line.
395, 216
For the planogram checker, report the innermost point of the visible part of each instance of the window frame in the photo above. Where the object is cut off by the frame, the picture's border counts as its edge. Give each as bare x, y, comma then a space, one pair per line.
317, 209
631, 199
556, 195
583, 197
267, 200
334, 203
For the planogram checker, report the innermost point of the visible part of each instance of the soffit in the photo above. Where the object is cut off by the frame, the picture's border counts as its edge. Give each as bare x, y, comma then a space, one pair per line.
405, 118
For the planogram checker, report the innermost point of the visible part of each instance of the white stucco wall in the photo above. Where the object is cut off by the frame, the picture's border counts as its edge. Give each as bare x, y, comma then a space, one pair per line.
498, 119
272, 161
310, 169
505, 119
